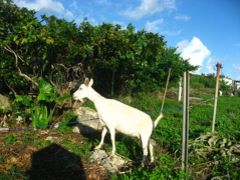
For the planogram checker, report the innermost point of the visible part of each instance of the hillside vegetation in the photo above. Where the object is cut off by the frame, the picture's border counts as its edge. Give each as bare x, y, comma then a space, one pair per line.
44, 59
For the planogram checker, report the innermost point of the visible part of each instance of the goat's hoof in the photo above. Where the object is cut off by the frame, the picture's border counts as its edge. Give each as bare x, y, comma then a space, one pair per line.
98, 147
153, 164
112, 155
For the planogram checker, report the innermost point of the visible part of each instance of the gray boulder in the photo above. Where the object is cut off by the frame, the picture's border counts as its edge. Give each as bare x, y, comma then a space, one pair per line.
113, 164
88, 120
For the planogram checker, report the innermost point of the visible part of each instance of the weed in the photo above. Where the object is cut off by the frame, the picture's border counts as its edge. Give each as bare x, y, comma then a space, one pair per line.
10, 139
82, 150
66, 124
13, 173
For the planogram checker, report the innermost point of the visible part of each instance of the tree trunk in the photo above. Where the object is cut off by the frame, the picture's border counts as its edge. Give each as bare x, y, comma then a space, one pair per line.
112, 84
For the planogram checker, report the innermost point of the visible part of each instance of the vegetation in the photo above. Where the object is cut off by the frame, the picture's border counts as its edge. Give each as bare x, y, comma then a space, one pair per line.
119, 59
210, 156
39, 56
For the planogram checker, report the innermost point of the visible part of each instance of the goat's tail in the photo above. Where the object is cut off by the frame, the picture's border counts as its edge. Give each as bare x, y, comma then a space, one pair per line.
158, 119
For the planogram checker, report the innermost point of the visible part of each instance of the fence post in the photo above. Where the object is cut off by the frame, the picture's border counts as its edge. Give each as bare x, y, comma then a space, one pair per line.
216, 97
185, 127
180, 89
166, 88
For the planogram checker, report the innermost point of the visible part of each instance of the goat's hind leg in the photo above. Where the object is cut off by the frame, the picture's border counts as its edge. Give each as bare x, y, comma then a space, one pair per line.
151, 152
145, 147
104, 132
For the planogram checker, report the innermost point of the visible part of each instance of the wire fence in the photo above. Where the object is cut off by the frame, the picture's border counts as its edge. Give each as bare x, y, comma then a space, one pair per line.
178, 108
51, 126
74, 123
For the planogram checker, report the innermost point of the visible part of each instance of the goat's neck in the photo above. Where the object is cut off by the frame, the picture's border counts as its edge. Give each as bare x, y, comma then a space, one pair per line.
94, 96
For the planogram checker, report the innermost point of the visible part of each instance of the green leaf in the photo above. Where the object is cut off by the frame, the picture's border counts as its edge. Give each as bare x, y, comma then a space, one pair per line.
46, 91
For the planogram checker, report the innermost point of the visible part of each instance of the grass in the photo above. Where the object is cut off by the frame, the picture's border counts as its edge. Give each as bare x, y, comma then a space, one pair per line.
167, 135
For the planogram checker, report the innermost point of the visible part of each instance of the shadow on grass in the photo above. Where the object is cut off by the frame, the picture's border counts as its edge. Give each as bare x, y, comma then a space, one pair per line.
55, 162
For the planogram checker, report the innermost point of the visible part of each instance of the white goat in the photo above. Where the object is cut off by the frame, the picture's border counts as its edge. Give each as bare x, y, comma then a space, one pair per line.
115, 115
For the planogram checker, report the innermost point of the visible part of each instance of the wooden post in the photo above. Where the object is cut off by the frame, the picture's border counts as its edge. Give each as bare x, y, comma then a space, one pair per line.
166, 87
185, 127
216, 97
180, 89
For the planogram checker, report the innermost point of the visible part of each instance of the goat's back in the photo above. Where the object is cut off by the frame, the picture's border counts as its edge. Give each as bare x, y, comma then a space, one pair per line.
124, 118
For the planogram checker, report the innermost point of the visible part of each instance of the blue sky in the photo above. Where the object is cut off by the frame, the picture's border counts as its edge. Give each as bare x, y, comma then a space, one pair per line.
205, 31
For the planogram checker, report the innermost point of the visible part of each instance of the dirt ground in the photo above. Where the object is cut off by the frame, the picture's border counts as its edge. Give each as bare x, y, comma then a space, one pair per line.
48, 162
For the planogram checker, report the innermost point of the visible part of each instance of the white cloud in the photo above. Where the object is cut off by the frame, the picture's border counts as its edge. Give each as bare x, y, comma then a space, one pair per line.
41, 5
194, 50
46, 6
82, 17
69, 14
149, 7
158, 26
182, 17
153, 26
210, 66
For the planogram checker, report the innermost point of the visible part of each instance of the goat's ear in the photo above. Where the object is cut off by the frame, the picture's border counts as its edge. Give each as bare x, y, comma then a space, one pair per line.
90, 83
86, 81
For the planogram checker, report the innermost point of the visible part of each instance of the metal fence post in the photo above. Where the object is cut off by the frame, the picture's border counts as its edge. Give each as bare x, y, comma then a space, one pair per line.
185, 129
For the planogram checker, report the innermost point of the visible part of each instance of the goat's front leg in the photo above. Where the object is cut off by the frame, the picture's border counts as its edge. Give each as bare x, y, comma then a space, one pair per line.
112, 133
104, 132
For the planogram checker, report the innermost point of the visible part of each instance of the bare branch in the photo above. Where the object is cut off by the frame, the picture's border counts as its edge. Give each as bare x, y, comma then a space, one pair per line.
14, 92
62, 65
16, 64
55, 86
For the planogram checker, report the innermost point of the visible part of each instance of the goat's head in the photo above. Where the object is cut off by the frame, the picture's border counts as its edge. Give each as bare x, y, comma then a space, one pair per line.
83, 90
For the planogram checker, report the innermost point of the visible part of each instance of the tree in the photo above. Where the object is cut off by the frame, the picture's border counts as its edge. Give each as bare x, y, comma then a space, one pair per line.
120, 60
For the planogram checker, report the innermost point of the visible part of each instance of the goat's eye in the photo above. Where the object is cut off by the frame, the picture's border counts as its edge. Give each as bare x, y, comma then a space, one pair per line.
80, 88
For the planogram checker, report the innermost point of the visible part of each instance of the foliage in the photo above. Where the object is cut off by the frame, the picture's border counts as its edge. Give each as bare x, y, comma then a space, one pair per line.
42, 108
10, 139
209, 81
166, 169
217, 152
121, 60
13, 173
67, 121
168, 134
203, 81
210, 155
41, 117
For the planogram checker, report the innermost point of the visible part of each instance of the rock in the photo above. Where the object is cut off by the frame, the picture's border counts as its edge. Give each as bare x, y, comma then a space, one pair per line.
3, 121
19, 120
76, 130
4, 102
98, 155
111, 164
88, 120
51, 139
55, 126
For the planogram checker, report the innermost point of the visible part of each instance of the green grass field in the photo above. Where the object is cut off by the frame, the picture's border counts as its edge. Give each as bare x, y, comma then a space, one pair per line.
210, 156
